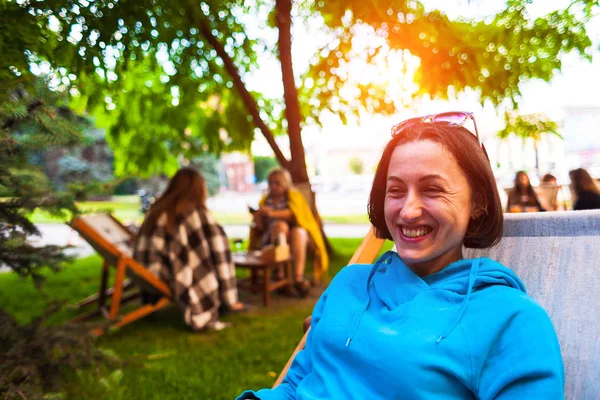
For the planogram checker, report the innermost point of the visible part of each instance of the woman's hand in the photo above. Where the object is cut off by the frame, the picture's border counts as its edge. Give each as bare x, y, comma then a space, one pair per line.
265, 211
280, 215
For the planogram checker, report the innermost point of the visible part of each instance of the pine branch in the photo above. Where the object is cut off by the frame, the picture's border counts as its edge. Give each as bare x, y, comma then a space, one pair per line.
27, 123
12, 217
7, 84
62, 123
31, 107
9, 141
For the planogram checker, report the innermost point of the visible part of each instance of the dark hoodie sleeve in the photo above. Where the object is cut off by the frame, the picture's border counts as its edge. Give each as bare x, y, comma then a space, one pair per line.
301, 366
524, 362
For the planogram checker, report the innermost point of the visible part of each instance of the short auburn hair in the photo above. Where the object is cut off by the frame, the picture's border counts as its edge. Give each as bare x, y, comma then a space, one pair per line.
482, 232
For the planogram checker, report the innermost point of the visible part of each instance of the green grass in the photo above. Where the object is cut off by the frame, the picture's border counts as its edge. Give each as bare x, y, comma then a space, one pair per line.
226, 218
163, 358
124, 208
346, 219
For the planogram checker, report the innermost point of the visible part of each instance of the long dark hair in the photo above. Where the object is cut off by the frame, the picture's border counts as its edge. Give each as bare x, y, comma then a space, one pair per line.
528, 189
186, 190
583, 182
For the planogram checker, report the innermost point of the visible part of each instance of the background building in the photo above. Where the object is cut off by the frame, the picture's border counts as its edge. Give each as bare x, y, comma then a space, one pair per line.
238, 172
581, 131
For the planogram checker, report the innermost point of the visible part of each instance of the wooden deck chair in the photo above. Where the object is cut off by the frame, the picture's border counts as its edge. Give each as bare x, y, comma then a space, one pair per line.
113, 241
556, 255
308, 193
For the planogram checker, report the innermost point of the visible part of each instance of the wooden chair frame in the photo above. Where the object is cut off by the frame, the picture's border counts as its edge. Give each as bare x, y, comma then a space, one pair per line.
115, 256
263, 264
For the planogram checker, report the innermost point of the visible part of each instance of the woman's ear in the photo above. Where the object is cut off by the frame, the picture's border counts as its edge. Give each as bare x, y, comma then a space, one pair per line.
478, 208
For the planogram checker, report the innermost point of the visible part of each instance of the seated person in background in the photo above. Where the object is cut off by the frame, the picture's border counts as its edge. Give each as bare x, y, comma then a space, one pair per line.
588, 194
523, 197
549, 182
283, 210
181, 243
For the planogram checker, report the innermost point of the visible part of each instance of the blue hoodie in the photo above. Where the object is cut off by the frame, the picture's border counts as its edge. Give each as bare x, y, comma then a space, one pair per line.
467, 332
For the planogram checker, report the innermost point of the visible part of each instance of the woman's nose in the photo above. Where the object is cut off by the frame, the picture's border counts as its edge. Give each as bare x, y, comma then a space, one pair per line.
412, 208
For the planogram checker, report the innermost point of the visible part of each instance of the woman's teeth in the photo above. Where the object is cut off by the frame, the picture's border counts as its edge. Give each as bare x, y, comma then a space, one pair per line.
414, 233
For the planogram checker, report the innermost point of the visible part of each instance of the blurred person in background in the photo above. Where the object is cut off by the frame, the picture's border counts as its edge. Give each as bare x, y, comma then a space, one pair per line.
284, 211
523, 198
550, 193
585, 189
182, 244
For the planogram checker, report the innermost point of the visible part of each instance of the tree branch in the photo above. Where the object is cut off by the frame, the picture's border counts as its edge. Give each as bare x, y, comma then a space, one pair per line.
31, 108
293, 115
249, 101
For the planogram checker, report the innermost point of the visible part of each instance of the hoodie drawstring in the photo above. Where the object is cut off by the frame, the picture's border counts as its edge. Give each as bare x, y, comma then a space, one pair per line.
472, 277
358, 317
385, 259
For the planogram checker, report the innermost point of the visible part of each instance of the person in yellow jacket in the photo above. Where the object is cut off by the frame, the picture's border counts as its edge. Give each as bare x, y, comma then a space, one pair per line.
285, 210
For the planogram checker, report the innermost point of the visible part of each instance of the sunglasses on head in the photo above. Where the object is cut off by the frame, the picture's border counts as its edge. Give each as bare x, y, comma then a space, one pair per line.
456, 118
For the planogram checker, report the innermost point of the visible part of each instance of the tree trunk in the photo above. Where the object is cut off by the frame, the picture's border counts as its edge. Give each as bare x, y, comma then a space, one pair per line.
297, 165
537, 159
293, 116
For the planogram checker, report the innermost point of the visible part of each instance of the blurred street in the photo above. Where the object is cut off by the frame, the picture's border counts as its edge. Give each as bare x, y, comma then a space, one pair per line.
61, 234
339, 202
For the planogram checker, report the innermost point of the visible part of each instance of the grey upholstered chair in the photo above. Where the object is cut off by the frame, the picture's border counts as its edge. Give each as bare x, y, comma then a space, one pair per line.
557, 255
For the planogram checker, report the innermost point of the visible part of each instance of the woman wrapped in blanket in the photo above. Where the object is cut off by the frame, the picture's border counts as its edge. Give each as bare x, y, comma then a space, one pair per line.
423, 322
181, 243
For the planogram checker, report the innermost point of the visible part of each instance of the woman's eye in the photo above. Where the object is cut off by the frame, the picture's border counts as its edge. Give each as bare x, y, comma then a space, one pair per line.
395, 191
433, 189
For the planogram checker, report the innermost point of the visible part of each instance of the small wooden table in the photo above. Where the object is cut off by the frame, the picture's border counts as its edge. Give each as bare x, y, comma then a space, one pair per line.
264, 263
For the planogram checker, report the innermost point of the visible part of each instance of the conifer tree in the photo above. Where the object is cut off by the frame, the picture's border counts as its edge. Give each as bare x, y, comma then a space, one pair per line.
32, 118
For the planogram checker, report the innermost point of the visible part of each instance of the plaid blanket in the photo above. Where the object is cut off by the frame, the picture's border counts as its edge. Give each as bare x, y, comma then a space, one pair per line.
195, 262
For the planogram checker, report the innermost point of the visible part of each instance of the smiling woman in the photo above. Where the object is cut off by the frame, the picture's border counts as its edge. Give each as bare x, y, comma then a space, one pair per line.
424, 208
423, 322
435, 179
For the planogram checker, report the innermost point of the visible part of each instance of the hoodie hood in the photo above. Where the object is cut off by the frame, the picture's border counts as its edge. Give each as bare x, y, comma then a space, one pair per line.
395, 284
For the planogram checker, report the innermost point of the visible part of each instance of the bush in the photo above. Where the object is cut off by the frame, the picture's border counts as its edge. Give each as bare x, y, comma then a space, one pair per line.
126, 187
208, 165
262, 167
33, 356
